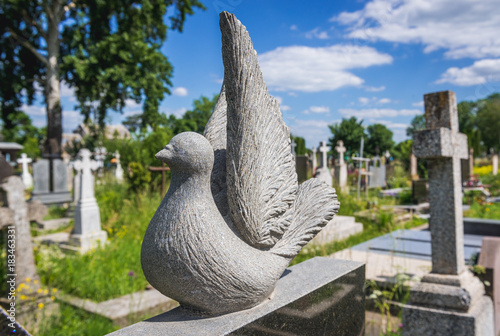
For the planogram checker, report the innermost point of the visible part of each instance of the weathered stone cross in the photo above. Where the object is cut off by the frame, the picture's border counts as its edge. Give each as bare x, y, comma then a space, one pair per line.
341, 150
323, 149
443, 146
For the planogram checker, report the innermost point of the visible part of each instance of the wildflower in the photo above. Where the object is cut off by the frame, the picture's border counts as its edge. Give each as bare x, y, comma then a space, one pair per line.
46, 291
52, 298
40, 305
54, 290
39, 291
35, 282
23, 297
487, 209
28, 279
131, 273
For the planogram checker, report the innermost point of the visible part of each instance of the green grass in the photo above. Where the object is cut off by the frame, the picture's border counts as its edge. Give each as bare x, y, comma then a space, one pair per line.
484, 210
71, 321
113, 270
55, 212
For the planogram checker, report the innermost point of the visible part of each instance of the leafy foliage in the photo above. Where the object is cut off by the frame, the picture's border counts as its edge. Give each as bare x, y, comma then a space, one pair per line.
379, 139
194, 120
301, 145
138, 176
350, 131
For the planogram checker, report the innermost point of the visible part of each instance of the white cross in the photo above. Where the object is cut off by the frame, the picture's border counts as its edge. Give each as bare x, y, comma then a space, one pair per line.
293, 147
24, 160
323, 148
341, 150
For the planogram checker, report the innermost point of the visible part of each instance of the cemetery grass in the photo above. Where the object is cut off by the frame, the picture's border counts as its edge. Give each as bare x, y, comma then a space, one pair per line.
111, 271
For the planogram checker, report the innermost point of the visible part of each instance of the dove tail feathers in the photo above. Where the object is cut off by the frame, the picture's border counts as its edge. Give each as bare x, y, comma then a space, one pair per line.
316, 205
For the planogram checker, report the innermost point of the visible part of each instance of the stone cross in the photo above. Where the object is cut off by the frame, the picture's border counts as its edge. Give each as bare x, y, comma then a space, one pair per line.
494, 163
341, 150
26, 176
323, 149
471, 162
294, 145
119, 170
87, 230
314, 162
413, 166
443, 147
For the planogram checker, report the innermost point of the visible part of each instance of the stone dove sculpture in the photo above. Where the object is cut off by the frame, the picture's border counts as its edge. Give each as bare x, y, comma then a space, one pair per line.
234, 215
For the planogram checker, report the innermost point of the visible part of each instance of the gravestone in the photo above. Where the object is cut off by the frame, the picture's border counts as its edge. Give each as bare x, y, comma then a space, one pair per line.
413, 167
489, 258
26, 176
50, 181
376, 179
449, 300
22, 266
314, 161
494, 164
5, 168
76, 181
100, 155
419, 191
87, 233
322, 172
341, 168
119, 169
301, 164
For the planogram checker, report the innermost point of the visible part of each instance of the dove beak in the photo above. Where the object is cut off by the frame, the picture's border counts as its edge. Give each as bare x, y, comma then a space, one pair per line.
164, 154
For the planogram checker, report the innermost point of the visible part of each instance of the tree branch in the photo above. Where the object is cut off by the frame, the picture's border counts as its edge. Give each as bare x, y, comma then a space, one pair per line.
25, 43
34, 24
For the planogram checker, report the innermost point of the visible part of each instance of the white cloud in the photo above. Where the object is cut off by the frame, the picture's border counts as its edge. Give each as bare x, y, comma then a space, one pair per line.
285, 108
308, 69
180, 91
177, 112
389, 124
132, 104
377, 113
464, 28
294, 27
316, 33
34, 111
373, 100
483, 71
319, 109
418, 104
71, 119
375, 88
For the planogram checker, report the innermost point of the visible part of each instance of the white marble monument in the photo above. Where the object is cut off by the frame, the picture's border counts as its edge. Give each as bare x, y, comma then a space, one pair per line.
341, 167
323, 173
87, 233
119, 169
26, 176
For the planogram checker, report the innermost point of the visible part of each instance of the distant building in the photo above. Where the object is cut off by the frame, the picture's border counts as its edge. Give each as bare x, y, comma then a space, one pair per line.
111, 132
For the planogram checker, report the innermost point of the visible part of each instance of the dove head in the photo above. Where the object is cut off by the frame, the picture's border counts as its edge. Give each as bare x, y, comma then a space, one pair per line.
189, 152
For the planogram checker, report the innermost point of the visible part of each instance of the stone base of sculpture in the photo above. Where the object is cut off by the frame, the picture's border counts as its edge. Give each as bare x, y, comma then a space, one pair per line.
448, 305
52, 197
317, 297
87, 242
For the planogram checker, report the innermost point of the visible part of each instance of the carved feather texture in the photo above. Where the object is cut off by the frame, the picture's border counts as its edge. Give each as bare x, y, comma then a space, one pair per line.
315, 206
261, 177
216, 134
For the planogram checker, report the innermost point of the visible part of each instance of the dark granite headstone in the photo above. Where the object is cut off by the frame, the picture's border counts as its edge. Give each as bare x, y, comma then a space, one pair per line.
301, 167
5, 168
420, 191
320, 296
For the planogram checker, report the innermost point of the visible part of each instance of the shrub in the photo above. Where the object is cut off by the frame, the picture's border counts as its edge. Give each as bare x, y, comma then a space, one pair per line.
138, 177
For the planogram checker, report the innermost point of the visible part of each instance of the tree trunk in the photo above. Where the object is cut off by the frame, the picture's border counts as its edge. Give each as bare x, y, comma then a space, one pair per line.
52, 83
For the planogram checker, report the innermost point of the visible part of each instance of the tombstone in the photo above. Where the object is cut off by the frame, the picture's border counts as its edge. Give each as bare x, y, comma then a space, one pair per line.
449, 300
323, 173
489, 258
413, 167
376, 179
76, 181
494, 164
341, 168
69, 167
419, 191
301, 164
22, 265
293, 147
100, 155
87, 233
26, 176
5, 168
119, 169
50, 181
314, 162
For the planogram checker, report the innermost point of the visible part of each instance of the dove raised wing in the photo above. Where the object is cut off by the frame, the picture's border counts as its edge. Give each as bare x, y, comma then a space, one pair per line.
261, 177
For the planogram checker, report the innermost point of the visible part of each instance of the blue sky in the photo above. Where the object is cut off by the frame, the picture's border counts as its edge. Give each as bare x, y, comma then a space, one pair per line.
328, 60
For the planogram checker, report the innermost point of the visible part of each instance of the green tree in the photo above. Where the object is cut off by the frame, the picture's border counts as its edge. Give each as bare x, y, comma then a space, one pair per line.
417, 124
379, 139
301, 145
488, 121
108, 50
196, 119
349, 131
